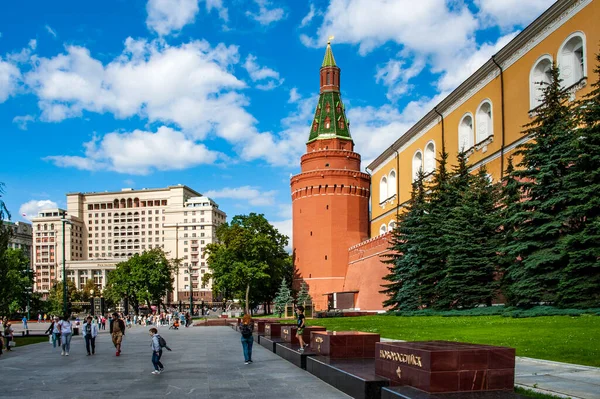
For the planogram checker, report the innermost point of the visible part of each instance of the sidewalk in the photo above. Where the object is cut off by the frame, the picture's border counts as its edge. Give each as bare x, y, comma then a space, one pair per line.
206, 362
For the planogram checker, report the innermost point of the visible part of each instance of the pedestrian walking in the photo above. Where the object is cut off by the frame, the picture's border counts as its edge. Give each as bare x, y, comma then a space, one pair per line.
246, 328
24, 320
8, 335
66, 332
301, 324
39, 317
157, 344
90, 332
117, 331
54, 332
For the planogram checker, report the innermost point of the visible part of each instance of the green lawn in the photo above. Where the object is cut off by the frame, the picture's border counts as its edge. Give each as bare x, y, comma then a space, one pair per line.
560, 338
22, 341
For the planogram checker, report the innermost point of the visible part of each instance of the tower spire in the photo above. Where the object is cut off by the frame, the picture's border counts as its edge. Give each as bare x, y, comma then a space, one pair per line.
328, 61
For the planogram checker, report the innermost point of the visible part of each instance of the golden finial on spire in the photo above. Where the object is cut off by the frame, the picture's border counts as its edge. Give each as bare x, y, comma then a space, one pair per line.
330, 39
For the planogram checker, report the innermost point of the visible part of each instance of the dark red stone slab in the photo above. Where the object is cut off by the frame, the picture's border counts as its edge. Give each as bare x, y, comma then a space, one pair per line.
344, 344
259, 325
274, 329
288, 333
442, 366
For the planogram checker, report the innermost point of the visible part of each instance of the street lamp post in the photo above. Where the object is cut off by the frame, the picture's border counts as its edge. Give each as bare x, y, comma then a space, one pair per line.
64, 263
191, 292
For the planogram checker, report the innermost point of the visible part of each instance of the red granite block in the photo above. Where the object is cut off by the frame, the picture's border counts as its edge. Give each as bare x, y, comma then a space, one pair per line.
501, 358
501, 379
444, 381
473, 380
473, 359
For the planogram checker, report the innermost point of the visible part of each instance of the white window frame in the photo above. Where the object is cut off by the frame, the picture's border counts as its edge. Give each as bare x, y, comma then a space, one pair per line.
383, 186
391, 182
536, 90
464, 133
429, 158
382, 229
415, 167
566, 76
478, 122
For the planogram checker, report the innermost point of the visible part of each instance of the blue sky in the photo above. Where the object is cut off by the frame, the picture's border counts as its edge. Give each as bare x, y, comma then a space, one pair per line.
219, 94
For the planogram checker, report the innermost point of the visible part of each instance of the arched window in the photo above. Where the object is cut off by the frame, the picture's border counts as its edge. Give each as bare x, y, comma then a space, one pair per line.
327, 123
465, 133
392, 226
484, 125
429, 163
383, 187
51, 226
417, 164
539, 78
315, 126
383, 229
571, 59
328, 81
327, 108
45, 227
392, 184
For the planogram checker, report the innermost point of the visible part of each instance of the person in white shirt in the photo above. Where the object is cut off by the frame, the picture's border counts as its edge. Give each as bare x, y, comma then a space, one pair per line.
64, 326
90, 331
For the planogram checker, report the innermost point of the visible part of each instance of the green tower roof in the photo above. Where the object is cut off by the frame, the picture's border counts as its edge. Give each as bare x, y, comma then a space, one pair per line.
328, 61
330, 118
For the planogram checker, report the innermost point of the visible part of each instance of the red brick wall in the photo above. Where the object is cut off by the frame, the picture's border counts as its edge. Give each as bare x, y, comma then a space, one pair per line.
366, 271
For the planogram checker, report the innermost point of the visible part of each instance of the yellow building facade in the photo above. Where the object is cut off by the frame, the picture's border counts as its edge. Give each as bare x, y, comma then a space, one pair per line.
485, 115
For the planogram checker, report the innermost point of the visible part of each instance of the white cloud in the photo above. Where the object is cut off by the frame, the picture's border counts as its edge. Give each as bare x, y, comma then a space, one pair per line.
51, 31
139, 152
285, 228
395, 75
258, 73
509, 13
468, 60
294, 95
30, 209
251, 194
428, 26
23, 120
308, 17
266, 16
218, 6
10, 76
166, 16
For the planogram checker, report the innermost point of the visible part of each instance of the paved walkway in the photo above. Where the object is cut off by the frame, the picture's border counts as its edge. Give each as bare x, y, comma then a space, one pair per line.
206, 362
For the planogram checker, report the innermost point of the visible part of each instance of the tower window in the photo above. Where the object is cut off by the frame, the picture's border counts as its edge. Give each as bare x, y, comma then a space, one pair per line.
327, 123
325, 257
327, 108
315, 126
328, 79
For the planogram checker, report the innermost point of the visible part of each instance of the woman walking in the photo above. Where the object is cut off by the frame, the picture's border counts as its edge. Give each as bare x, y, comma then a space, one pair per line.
65, 329
54, 332
8, 334
246, 328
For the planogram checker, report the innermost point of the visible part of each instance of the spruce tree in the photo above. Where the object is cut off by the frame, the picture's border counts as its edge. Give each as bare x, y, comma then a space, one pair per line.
472, 228
434, 243
540, 218
303, 295
283, 297
405, 260
579, 282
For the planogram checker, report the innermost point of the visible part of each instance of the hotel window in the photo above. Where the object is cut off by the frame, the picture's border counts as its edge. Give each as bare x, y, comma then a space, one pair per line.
429, 163
571, 59
539, 78
484, 125
465, 133
417, 164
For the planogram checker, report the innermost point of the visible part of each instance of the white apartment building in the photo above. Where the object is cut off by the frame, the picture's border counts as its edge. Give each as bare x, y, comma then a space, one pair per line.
105, 228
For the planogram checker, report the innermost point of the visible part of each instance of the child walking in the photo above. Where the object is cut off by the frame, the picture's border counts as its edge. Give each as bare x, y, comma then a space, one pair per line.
156, 351
301, 325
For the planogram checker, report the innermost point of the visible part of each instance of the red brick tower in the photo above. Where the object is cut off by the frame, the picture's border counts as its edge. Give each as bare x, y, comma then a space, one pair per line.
330, 196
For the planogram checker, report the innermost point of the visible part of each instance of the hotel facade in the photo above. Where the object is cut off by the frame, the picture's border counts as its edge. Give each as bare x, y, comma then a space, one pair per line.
105, 228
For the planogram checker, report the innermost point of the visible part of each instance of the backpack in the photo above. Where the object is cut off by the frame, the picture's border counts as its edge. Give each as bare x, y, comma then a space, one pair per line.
246, 330
162, 343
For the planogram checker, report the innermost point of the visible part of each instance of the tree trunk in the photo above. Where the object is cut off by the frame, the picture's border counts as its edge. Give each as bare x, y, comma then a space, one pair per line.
248, 298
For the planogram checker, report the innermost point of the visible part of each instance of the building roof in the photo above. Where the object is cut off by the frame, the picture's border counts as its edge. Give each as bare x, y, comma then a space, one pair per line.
328, 60
132, 191
504, 57
330, 108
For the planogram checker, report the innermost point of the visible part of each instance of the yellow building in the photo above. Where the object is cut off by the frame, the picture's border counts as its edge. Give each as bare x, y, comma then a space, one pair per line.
485, 115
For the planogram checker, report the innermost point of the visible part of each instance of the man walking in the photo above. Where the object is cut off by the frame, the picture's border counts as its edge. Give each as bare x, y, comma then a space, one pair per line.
117, 331
24, 320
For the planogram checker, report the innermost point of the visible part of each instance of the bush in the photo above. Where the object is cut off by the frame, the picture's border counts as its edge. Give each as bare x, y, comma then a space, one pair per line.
504, 311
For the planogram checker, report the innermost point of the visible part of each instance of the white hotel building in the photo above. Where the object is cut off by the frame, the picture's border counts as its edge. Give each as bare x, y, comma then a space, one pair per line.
106, 228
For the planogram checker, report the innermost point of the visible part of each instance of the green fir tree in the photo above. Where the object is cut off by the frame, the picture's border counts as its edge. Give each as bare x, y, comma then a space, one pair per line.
283, 297
405, 259
303, 295
540, 218
579, 281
